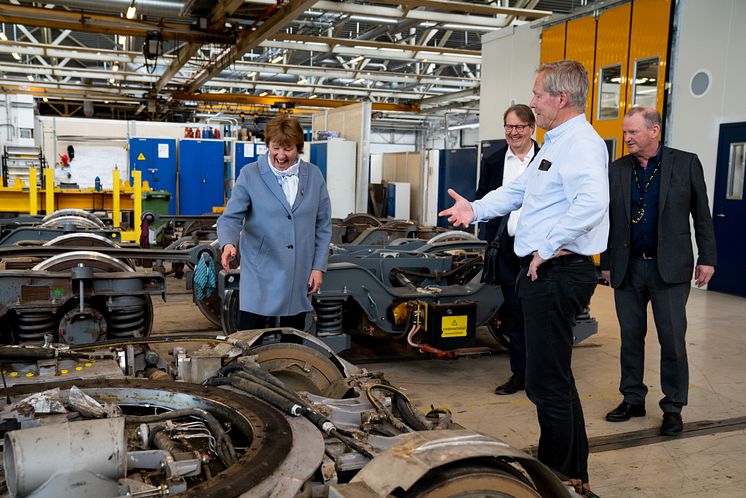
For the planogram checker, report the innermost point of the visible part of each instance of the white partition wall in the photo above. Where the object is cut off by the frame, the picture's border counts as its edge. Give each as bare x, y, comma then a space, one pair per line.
510, 57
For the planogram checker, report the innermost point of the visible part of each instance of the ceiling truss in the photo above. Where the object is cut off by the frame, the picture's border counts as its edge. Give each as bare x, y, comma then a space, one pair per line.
415, 56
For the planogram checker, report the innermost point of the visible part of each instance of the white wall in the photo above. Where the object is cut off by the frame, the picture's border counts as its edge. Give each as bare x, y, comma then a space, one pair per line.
353, 123
394, 141
710, 37
16, 112
510, 57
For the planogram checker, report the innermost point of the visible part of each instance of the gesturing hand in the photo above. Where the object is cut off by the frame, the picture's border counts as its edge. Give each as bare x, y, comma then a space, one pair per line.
460, 214
229, 252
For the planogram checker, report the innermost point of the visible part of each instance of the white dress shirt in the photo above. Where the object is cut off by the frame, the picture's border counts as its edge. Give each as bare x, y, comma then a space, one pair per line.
512, 169
564, 194
288, 179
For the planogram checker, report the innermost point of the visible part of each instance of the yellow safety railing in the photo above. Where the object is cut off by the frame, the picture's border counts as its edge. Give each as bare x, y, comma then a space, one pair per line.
123, 196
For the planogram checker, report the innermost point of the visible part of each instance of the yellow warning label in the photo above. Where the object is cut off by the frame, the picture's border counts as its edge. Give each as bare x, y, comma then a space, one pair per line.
141, 157
453, 326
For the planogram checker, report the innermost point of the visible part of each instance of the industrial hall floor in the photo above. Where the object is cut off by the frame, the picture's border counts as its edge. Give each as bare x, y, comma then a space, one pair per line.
628, 459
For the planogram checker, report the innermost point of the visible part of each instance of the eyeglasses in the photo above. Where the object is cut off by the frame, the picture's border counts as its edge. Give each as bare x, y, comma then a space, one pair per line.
518, 128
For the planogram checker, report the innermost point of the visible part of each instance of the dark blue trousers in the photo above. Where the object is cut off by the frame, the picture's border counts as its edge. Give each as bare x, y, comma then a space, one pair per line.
550, 305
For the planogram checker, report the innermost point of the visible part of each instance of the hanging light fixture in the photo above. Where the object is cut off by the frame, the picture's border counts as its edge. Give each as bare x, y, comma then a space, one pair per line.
131, 10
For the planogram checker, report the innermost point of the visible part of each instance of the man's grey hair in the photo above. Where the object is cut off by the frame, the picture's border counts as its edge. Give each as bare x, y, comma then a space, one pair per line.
651, 116
566, 76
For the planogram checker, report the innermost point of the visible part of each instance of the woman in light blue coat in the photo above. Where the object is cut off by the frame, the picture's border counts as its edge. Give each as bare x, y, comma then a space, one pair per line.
280, 211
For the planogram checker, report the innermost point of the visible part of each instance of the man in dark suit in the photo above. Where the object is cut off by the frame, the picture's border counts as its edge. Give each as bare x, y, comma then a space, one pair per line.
499, 169
654, 190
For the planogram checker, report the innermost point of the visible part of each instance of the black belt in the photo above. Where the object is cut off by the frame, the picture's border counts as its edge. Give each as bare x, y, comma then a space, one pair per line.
559, 260
644, 254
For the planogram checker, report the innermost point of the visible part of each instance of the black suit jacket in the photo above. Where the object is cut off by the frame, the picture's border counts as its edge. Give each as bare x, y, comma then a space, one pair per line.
682, 193
491, 178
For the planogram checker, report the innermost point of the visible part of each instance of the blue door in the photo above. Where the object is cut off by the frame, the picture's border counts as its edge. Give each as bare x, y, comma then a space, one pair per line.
190, 177
201, 175
729, 210
156, 159
457, 169
213, 175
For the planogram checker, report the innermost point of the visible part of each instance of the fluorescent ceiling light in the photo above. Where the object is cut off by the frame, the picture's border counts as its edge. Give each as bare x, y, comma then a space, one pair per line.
463, 126
313, 96
44, 99
277, 59
131, 10
356, 59
2, 36
222, 90
122, 39
115, 67
251, 74
384, 20
16, 56
468, 27
30, 77
264, 94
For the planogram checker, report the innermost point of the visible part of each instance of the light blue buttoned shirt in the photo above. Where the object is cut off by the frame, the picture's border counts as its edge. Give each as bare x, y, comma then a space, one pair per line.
565, 206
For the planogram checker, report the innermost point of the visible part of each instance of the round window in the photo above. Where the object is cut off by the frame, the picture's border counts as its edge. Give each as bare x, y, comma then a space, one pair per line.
700, 83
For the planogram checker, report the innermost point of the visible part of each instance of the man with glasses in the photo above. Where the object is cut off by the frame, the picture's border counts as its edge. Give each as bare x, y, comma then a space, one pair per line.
654, 190
564, 221
499, 169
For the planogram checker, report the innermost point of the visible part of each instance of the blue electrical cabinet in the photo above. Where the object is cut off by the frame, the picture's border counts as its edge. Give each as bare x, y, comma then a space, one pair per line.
246, 153
319, 156
201, 175
156, 159
457, 169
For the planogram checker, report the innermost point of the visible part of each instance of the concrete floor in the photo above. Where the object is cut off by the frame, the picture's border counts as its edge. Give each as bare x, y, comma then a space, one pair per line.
710, 465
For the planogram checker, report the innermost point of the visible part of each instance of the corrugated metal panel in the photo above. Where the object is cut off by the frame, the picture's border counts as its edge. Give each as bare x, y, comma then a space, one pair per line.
612, 47
580, 46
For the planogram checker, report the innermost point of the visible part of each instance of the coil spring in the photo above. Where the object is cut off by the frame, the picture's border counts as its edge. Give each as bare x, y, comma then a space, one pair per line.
128, 321
329, 315
33, 325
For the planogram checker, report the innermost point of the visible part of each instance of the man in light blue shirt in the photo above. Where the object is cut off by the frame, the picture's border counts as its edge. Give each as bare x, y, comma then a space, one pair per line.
564, 194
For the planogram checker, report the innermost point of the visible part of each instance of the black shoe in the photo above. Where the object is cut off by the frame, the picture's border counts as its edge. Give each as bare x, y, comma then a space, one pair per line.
512, 386
625, 411
672, 424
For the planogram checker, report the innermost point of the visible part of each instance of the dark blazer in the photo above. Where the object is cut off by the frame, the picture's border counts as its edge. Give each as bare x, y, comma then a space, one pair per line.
682, 192
491, 178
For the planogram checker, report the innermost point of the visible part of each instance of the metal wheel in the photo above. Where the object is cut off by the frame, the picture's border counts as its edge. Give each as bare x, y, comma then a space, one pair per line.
473, 481
97, 260
130, 316
498, 335
452, 235
262, 432
76, 213
209, 305
229, 312
362, 219
301, 368
77, 221
211, 308
81, 240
